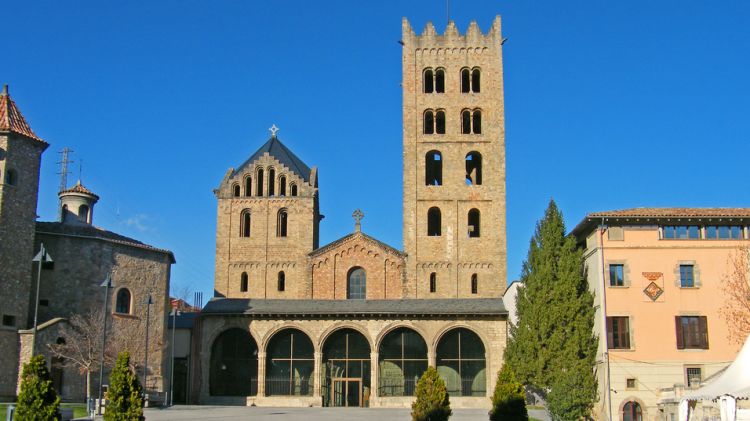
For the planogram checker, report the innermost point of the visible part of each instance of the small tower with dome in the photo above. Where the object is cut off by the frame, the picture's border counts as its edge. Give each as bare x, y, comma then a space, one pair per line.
77, 204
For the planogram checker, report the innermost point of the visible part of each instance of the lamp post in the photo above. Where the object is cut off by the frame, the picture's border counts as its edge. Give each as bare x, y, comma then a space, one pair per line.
149, 301
174, 315
42, 257
107, 284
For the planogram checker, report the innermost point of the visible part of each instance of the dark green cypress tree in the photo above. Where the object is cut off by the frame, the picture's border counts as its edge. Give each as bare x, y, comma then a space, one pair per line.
553, 347
37, 400
124, 398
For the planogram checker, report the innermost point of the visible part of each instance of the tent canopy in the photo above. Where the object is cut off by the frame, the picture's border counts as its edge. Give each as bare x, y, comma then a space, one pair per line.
734, 381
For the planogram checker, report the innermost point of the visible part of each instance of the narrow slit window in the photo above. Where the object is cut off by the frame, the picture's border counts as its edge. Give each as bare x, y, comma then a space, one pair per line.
245, 224
474, 223
465, 122
282, 186
465, 81
281, 282
433, 169
474, 284
433, 222
236, 190
293, 188
281, 223
433, 282
243, 282
475, 81
271, 182
440, 81
248, 186
429, 122
440, 122
428, 81
259, 183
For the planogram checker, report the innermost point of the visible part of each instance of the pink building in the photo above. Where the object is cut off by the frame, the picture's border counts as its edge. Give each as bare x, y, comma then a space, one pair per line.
656, 274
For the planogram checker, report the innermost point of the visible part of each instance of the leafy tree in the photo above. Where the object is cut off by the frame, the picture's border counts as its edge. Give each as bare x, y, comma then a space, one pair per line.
124, 401
37, 400
553, 346
736, 287
509, 398
433, 402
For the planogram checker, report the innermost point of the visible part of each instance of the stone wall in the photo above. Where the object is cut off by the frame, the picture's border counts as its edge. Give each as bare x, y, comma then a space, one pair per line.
17, 218
264, 254
73, 287
453, 256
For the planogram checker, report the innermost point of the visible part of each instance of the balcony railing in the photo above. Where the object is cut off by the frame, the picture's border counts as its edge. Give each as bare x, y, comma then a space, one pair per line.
300, 386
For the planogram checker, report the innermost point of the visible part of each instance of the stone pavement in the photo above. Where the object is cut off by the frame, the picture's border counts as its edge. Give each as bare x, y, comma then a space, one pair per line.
227, 413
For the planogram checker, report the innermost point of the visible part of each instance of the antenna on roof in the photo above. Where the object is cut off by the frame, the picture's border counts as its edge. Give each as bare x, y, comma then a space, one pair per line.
80, 169
64, 167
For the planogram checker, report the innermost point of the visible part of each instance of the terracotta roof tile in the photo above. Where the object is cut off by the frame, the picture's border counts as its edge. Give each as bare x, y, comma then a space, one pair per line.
674, 213
11, 119
79, 188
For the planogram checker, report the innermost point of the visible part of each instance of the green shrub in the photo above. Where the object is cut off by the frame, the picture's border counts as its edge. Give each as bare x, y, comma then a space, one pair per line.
37, 400
124, 399
508, 400
433, 402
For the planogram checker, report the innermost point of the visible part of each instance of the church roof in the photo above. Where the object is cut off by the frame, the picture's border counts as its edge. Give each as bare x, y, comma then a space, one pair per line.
89, 231
408, 307
11, 119
276, 149
79, 188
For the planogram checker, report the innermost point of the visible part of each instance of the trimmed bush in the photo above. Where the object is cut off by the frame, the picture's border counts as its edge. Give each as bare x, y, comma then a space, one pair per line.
37, 400
433, 402
124, 399
508, 400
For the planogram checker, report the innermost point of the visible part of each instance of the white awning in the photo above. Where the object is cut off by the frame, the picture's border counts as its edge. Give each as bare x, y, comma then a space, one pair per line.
734, 381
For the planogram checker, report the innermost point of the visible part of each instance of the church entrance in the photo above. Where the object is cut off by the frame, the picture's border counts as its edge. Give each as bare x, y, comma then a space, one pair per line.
346, 369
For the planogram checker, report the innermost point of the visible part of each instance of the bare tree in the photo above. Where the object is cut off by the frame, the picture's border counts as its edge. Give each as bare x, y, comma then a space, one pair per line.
82, 344
736, 286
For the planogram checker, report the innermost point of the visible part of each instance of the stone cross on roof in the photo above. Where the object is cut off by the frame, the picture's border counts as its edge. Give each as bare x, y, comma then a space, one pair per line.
273, 130
358, 215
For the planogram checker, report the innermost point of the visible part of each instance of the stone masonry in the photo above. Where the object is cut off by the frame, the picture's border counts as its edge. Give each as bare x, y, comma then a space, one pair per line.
453, 256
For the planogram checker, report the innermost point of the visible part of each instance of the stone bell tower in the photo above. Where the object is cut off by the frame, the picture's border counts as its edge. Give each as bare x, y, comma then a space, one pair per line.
454, 161
267, 223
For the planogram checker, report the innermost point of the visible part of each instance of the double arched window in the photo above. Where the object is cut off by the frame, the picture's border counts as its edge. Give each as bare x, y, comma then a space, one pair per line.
122, 302
434, 122
356, 288
433, 222
433, 163
471, 121
281, 222
243, 282
473, 223
473, 169
470, 80
433, 80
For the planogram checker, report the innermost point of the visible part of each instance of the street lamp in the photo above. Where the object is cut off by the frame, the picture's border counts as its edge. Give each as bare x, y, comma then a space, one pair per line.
174, 315
42, 257
107, 284
149, 301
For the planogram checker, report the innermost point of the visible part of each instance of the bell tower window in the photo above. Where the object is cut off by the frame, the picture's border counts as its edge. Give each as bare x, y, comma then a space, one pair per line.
259, 182
243, 282
282, 186
433, 222
248, 186
473, 169
245, 223
433, 169
474, 223
281, 282
470, 80
281, 223
471, 121
271, 182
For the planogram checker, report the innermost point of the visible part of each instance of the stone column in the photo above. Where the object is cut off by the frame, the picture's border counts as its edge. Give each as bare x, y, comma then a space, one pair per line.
373, 375
261, 374
316, 374
431, 358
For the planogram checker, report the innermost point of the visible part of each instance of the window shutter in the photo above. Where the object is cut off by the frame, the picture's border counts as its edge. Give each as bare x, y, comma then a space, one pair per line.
610, 338
678, 331
625, 332
703, 323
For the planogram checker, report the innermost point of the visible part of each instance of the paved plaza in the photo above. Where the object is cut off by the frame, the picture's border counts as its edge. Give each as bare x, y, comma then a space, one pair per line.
308, 414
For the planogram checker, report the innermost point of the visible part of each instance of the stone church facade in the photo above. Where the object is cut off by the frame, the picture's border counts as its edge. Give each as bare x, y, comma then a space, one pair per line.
356, 322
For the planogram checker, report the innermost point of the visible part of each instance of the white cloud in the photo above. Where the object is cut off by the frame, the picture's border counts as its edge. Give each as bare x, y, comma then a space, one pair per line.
139, 222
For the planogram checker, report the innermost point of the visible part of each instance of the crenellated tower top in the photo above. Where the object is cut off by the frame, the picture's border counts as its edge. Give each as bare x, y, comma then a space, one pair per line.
451, 37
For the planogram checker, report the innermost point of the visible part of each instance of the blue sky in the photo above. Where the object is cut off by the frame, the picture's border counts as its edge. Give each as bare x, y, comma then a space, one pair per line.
608, 105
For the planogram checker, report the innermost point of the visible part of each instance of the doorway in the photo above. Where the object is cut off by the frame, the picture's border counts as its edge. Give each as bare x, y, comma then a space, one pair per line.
347, 392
